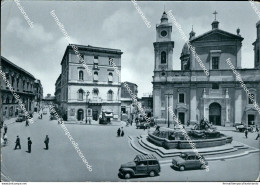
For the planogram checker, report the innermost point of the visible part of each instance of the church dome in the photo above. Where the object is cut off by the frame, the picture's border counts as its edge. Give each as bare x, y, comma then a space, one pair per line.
185, 50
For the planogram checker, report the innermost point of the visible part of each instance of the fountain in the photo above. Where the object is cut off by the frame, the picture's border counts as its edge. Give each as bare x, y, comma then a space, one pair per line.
202, 135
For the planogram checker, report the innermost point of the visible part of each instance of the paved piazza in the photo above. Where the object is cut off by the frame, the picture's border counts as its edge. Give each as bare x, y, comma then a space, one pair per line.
105, 153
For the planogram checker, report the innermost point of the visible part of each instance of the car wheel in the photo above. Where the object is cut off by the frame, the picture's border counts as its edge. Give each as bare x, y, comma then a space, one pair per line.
127, 175
202, 166
182, 168
152, 174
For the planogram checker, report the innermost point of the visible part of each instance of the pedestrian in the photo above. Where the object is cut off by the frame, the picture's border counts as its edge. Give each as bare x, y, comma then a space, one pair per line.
17, 143
118, 132
256, 128
26, 122
246, 132
257, 135
29, 145
46, 141
5, 128
188, 123
5, 139
122, 132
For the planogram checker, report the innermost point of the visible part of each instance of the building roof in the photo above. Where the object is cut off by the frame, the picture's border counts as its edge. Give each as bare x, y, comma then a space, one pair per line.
219, 31
92, 48
3, 59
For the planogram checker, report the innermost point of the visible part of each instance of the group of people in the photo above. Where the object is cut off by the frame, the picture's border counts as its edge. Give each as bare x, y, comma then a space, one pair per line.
256, 129
29, 143
120, 132
5, 134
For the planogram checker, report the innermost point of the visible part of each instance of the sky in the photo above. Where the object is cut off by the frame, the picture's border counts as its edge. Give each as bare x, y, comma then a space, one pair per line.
117, 25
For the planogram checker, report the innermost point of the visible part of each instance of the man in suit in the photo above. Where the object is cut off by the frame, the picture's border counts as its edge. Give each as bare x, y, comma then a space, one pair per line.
29, 145
17, 143
46, 141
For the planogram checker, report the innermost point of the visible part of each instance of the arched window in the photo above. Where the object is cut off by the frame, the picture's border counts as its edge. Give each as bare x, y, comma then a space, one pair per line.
110, 95
80, 92
163, 57
110, 77
95, 76
95, 92
81, 75
17, 83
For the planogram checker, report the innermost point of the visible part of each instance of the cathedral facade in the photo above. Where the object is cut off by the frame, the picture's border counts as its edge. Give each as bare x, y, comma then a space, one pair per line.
218, 97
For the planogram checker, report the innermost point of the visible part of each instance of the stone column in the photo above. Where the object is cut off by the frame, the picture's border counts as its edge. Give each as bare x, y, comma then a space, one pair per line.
238, 105
193, 105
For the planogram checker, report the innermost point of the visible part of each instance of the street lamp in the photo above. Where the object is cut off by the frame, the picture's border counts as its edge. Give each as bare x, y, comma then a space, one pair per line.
87, 106
168, 95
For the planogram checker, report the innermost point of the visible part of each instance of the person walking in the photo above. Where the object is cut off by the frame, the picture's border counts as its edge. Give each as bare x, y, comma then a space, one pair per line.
257, 135
118, 132
29, 145
5, 139
122, 132
17, 143
26, 122
246, 132
5, 129
46, 141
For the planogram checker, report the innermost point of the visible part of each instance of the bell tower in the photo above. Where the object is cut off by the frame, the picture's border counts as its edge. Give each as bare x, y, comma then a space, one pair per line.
163, 47
257, 46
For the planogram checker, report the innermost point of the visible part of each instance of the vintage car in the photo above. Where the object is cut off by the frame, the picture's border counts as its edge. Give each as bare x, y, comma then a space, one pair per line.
21, 118
188, 160
44, 111
241, 128
142, 165
142, 125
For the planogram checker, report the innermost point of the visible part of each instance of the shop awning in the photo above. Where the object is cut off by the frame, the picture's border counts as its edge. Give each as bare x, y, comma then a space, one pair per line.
109, 115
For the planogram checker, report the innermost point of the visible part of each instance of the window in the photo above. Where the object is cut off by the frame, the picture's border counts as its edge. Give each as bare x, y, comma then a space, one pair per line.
95, 66
142, 163
152, 162
251, 100
27, 85
215, 86
95, 76
163, 57
96, 57
111, 61
181, 98
81, 75
17, 84
95, 92
13, 81
215, 62
191, 158
80, 92
110, 77
110, 95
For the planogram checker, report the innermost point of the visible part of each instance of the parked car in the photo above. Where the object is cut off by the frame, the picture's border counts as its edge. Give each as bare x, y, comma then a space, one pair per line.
241, 128
142, 165
44, 111
20, 118
188, 160
142, 125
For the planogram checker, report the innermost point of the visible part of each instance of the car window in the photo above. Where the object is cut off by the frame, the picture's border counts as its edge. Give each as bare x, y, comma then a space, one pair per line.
142, 163
191, 157
152, 162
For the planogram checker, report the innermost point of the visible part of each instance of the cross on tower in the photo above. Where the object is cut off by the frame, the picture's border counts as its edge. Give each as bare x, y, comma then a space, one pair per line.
215, 14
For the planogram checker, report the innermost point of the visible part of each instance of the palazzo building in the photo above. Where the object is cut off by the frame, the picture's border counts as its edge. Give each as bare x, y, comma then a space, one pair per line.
25, 85
78, 92
218, 97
